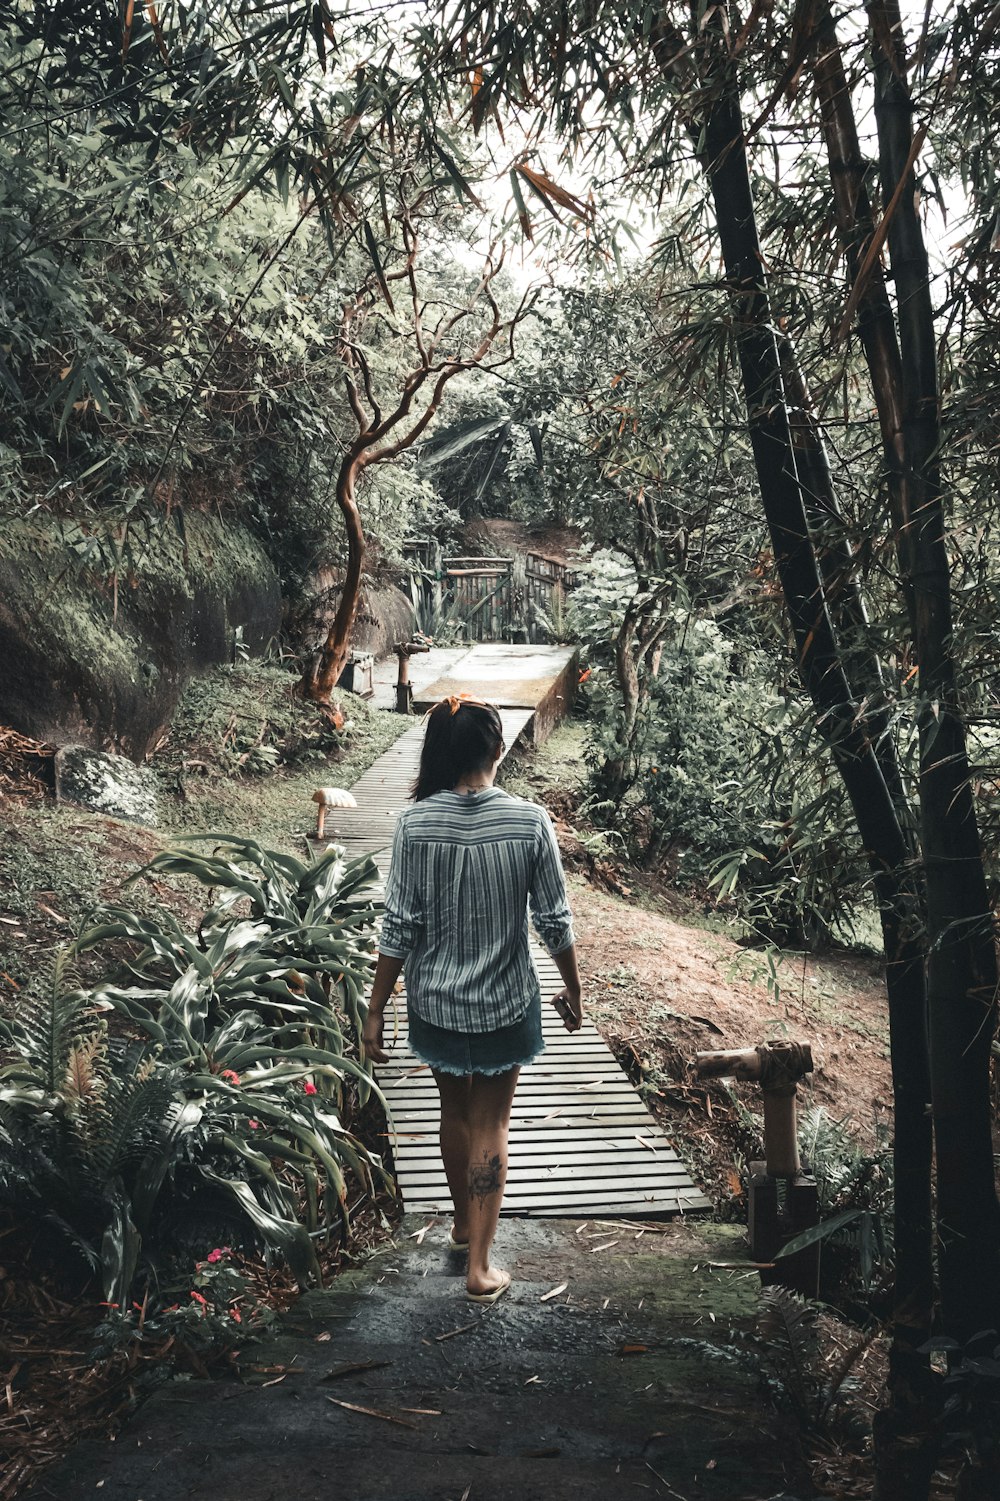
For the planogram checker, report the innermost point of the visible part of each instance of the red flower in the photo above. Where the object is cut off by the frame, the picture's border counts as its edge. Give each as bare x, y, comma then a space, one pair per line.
230, 1076
234, 1313
199, 1299
308, 1086
217, 1254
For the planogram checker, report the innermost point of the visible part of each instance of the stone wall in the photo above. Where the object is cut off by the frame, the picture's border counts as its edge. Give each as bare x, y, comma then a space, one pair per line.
88, 657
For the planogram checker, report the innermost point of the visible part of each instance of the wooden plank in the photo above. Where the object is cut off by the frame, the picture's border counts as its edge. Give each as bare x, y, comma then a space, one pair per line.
655, 1207
626, 1113
603, 1152
529, 1182
552, 1138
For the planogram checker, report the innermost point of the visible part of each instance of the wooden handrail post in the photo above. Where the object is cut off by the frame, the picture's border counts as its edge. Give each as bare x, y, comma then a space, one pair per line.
404, 688
782, 1199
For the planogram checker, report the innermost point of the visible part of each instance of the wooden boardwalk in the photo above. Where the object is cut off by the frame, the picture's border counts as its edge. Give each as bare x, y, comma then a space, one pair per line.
582, 1142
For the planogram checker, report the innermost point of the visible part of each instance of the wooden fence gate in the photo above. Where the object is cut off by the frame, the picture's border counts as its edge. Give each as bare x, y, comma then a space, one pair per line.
500, 599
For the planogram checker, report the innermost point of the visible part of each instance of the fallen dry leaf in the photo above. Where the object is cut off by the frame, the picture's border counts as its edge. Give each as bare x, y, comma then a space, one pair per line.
462, 1329
604, 1246
353, 1367
553, 1292
372, 1412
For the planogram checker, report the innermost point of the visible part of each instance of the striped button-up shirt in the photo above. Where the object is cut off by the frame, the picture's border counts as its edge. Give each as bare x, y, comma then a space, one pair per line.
465, 868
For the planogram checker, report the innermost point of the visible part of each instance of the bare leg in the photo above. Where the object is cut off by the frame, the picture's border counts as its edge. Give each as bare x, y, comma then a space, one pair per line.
490, 1100
454, 1091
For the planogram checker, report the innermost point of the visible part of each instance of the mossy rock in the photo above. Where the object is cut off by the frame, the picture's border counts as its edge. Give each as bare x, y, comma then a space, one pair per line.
107, 783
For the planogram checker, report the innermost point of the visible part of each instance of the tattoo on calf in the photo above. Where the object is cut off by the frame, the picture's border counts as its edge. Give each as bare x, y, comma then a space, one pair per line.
484, 1180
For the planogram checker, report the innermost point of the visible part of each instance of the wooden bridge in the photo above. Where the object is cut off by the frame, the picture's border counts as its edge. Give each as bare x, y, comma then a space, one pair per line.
582, 1143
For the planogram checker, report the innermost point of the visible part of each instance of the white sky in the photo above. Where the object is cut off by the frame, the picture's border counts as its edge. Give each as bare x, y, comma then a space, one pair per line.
528, 264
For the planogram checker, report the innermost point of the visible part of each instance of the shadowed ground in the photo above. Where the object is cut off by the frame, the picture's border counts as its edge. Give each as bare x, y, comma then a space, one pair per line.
583, 1396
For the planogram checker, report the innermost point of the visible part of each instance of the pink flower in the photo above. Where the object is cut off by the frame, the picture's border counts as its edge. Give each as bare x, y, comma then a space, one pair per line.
309, 1086
234, 1313
253, 1125
230, 1076
217, 1254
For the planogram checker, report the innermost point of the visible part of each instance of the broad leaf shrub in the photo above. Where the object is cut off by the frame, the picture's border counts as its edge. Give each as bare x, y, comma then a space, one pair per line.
219, 1108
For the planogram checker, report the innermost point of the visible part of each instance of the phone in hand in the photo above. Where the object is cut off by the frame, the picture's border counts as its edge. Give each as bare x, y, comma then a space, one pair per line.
569, 1018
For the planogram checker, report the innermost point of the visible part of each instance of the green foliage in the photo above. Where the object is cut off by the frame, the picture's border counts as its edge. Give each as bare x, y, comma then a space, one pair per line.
683, 784
221, 1108
718, 773
795, 876
170, 319
856, 1207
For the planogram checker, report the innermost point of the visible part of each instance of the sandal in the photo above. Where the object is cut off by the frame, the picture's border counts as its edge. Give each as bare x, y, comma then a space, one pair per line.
456, 1245
491, 1297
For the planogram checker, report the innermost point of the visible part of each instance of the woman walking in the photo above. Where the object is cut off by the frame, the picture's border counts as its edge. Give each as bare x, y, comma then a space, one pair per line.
467, 862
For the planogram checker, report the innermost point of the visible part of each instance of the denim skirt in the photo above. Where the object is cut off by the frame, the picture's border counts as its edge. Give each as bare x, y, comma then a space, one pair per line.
478, 1052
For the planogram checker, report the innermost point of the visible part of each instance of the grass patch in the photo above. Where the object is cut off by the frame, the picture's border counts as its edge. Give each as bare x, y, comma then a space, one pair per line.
557, 766
245, 754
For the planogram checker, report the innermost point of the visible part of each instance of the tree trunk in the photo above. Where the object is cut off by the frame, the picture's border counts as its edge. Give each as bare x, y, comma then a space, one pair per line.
319, 683
616, 774
822, 669
856, 226
905, 946
962, 970
820, 662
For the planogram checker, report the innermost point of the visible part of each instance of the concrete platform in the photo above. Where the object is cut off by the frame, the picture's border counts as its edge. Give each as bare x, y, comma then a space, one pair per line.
599, 1377
540, 678
425, 668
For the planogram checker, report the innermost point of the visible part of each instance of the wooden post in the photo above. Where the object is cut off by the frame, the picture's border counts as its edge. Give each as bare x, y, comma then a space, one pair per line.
404, 688
777, 1067
782, 1199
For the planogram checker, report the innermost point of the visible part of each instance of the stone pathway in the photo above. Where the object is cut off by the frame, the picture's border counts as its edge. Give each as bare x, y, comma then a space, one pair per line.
390, 1385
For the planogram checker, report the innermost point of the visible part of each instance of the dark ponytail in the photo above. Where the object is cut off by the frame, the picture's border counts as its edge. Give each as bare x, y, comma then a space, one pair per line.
461, 739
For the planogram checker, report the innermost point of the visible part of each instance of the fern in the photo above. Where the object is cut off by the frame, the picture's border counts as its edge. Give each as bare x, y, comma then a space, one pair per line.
48, 1028
127, 1117
787, 1338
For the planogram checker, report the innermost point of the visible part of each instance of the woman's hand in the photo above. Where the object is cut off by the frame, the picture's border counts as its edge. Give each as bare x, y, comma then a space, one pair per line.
371, 1036
569, 1004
